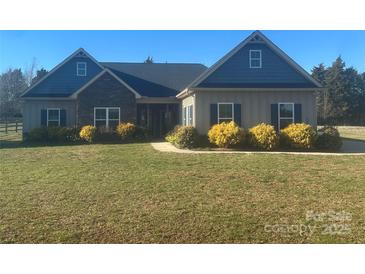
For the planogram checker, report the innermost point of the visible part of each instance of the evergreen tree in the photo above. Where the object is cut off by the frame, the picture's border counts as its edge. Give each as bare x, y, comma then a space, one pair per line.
342, 101
353, 96
149, 60
337, 89
319, 73
40, 74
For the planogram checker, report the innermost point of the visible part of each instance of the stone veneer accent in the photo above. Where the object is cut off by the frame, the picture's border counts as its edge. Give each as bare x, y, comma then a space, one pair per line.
105, 92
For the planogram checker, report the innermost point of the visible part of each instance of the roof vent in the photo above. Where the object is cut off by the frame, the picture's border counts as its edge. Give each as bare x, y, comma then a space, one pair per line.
81, 54
256, 39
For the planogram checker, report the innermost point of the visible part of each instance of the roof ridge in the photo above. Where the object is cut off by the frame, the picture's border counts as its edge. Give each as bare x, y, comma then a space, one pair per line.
142, 63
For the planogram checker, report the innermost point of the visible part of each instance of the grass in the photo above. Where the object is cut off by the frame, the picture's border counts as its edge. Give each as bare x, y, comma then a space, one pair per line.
133, 194
11, 136
348, 132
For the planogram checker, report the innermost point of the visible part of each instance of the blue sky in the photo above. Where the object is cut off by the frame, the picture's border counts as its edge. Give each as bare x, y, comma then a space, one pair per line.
308, 48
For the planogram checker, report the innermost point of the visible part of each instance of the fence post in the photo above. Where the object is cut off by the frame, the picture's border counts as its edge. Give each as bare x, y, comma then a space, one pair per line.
6, 126
16, 125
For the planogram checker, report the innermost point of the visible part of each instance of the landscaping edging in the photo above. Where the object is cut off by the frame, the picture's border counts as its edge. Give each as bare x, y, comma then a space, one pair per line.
167, 147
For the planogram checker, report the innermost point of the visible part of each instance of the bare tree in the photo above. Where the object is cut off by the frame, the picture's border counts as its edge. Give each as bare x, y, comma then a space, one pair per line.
30, 71
12, 84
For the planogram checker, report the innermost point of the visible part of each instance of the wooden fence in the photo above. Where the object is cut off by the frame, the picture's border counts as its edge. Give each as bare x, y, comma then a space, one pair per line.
8, 125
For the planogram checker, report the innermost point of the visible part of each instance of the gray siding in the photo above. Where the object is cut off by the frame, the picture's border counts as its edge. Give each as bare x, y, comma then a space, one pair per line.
32, 112
255, 105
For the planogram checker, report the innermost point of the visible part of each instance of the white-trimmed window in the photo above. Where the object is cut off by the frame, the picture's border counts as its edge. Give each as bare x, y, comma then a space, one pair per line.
255, 58
53, 117
108, 117
188, 115
225, 112
286, 114
81, 68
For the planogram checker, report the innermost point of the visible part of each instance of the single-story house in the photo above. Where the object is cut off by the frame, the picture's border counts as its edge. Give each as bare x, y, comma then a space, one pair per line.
255, 82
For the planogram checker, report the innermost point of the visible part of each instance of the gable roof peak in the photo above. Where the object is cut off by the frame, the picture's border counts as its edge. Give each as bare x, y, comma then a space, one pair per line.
74, 54
255, 37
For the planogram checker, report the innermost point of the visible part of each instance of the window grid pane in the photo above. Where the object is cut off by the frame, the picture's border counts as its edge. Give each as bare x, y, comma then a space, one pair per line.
255, 54
53, 114
255, 63
255, 59
113, 114
286, 110
100, 114
107, 117
190, 113
81, 69
284, 122
225, 111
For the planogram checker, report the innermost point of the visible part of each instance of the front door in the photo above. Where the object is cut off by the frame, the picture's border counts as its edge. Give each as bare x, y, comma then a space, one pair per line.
158, 118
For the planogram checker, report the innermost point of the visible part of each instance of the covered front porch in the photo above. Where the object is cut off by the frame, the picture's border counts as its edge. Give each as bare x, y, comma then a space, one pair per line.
159, 118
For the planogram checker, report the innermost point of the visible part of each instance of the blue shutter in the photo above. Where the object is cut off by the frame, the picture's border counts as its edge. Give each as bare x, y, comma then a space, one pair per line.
43, 117
297, 113
237, 114
274, 116
213, 114
62, 117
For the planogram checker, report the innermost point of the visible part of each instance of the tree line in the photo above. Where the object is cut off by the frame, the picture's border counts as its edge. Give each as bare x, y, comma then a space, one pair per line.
13, 83
341, 102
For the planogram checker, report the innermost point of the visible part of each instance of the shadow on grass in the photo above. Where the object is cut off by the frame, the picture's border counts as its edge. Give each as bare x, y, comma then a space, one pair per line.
352, 139
6, 144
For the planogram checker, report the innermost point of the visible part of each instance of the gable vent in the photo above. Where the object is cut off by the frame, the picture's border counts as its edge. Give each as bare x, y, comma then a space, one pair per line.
256, 39
81, 54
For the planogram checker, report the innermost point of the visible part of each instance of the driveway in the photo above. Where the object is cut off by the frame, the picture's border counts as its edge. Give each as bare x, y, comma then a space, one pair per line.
352, 146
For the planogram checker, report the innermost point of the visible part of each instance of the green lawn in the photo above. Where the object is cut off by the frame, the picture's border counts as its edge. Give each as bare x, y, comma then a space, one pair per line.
133, 194
356, 133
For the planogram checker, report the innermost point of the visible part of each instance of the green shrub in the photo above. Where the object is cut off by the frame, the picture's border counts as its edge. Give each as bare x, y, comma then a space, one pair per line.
226, 135
141, 133
88, 133
38, 134
183, 137
328, 138
300, 136
203, 141
263, 136
53, 134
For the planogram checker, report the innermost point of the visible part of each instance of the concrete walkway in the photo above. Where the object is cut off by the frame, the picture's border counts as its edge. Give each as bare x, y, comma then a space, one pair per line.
167, 147
352, 146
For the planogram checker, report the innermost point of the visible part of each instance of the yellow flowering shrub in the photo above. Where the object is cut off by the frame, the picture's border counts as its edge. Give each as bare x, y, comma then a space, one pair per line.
126, 131
263, 136
301, 136
88, 133
225, 135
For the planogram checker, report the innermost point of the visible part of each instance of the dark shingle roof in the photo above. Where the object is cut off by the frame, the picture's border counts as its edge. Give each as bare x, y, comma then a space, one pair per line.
156, 79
